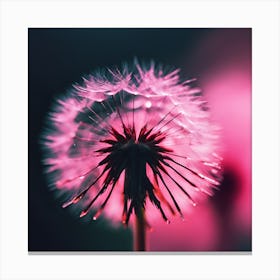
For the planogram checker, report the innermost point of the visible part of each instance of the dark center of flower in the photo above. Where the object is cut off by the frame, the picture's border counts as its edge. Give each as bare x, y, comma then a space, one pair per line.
143, 160
133, 155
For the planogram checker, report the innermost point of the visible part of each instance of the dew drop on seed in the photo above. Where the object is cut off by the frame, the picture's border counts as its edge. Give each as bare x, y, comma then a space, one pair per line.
83, 213
148, 104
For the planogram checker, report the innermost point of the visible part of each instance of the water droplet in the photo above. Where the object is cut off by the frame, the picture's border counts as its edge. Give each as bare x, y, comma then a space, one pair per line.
194, 204
83, 213
94, 218
168, 222
66, 204
148, 104
77, 199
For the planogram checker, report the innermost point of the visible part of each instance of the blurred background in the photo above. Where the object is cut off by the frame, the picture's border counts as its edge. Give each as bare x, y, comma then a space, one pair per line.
221, 61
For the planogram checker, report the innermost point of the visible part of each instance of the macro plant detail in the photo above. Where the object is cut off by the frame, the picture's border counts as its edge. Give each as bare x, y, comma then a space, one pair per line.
133, 144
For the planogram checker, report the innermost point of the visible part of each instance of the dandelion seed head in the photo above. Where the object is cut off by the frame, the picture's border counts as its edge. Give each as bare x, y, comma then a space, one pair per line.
125, 140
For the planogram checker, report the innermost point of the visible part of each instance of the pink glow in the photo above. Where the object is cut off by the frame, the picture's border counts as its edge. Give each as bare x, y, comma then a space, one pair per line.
83, 122
223, 61
199, 232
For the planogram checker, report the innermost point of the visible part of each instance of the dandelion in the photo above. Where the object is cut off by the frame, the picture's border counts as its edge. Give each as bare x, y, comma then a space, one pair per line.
133, 145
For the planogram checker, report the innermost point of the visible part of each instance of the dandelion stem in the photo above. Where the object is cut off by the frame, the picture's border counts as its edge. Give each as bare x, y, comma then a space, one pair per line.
140, 231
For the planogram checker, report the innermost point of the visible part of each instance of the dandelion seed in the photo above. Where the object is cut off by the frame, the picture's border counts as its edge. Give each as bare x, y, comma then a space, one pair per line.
133, 143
